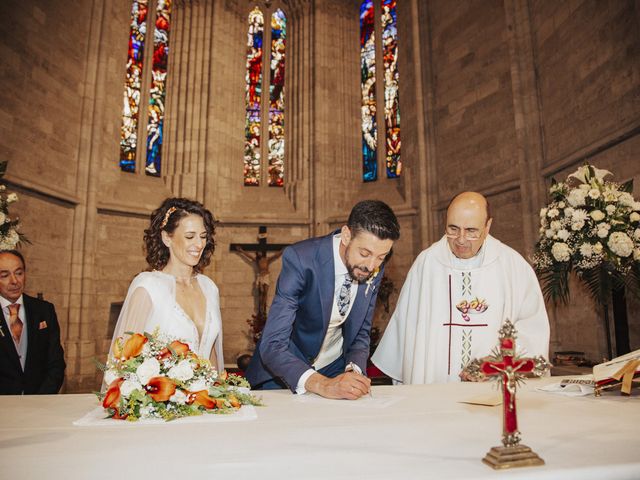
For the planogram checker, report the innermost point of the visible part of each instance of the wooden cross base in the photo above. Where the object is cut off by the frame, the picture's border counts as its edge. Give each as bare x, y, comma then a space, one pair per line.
511, 457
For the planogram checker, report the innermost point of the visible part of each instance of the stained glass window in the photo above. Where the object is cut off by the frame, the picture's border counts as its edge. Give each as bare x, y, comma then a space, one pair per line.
389, 50
368, 87
391, 94
157, 90
253, 96
276, 98
135, 60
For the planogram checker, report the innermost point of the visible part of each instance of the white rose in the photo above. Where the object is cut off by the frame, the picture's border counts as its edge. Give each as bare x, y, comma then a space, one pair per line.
594, 193
561, 205
626, 199
597, 248
634, 217
12, 197
610, 209
602, 232
561, 251
553, 213
148, 369
110, 376
198, 385
556, 225
636, 254
129, 386
549, 233
543, 212
620, 244
597, 215
586, 250
576, 197
636, 234
563, 235
182, 372
179, 397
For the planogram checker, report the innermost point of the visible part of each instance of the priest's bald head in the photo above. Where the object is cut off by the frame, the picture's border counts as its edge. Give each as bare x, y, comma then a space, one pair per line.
468, 223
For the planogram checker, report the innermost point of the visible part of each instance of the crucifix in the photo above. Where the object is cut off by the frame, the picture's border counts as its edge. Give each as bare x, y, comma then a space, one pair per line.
261, 259
509, 369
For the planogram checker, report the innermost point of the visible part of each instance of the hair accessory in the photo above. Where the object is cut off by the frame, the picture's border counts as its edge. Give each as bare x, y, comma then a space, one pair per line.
166, 217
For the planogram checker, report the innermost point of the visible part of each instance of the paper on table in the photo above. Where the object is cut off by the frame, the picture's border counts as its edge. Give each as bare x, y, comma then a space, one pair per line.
573, 386
378, 401
490, 400
95, 418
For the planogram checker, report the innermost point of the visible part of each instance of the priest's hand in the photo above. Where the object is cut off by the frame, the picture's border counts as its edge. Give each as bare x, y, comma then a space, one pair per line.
348, 385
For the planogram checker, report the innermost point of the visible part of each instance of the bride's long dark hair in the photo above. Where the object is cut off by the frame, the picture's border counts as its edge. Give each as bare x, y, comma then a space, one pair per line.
167, 217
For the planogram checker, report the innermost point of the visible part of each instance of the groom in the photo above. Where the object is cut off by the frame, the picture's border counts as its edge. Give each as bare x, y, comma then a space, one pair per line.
316, 337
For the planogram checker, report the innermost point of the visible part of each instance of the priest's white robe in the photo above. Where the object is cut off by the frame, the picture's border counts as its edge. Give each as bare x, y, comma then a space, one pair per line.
447, 316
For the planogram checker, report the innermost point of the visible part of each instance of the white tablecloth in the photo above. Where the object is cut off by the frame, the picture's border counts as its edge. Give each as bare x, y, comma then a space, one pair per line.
405, 432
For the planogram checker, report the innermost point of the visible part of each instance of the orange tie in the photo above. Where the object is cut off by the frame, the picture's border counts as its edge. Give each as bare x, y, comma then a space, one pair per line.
15, 322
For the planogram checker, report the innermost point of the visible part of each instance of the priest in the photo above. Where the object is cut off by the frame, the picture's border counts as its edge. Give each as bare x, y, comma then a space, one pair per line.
455, 298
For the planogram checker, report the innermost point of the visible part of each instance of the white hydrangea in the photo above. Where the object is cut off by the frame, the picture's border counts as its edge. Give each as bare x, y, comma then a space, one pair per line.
620, 244
179, 397
148, 369
129, 386
577, 197
626, 199
597, 215
198, 385
182, 372
561, 251
563, 235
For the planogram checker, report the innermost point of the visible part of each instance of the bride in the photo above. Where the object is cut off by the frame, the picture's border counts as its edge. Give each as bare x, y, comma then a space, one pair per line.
175, 297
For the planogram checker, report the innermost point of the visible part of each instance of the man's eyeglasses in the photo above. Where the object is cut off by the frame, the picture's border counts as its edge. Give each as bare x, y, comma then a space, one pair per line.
468, 233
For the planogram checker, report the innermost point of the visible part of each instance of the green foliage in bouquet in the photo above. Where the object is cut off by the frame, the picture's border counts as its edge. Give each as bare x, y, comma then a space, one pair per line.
591, 226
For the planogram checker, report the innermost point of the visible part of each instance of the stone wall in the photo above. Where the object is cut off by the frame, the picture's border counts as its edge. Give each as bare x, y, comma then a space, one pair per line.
496, 96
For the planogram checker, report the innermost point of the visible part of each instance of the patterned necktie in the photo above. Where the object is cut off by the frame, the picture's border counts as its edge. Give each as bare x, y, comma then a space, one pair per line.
15, 322
344, 298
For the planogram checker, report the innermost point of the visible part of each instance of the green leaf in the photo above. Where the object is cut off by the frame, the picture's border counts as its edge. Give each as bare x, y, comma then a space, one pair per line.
627, 186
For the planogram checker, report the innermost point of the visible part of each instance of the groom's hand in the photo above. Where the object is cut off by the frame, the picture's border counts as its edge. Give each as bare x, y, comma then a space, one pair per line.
348, 385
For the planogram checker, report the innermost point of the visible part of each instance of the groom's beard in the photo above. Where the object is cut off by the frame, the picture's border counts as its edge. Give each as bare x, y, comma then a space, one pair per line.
361, 275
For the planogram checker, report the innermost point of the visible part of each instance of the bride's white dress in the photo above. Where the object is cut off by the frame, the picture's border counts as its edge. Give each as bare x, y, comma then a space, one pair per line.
151, 302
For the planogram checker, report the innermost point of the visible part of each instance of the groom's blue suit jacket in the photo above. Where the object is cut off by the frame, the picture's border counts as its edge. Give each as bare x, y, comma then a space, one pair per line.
299, 315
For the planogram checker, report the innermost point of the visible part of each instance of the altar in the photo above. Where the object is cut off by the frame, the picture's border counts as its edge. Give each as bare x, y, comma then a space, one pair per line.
403, 432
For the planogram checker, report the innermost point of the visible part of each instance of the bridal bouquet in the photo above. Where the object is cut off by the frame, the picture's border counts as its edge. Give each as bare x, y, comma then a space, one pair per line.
592, 226
155, 376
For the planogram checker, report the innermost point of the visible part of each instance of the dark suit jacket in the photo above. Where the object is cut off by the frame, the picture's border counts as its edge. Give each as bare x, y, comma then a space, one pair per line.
300, 313
44, 365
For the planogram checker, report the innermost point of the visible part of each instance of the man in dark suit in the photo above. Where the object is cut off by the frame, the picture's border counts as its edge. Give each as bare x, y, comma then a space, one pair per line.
31, 357
316, 337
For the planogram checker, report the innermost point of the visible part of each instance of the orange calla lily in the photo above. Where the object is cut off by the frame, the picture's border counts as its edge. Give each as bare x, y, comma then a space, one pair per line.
160, 388
132, 347
112, 397
178, 347
202, 398
235, 403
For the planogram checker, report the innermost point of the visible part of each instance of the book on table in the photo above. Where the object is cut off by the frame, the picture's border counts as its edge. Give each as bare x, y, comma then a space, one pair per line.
623, 369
